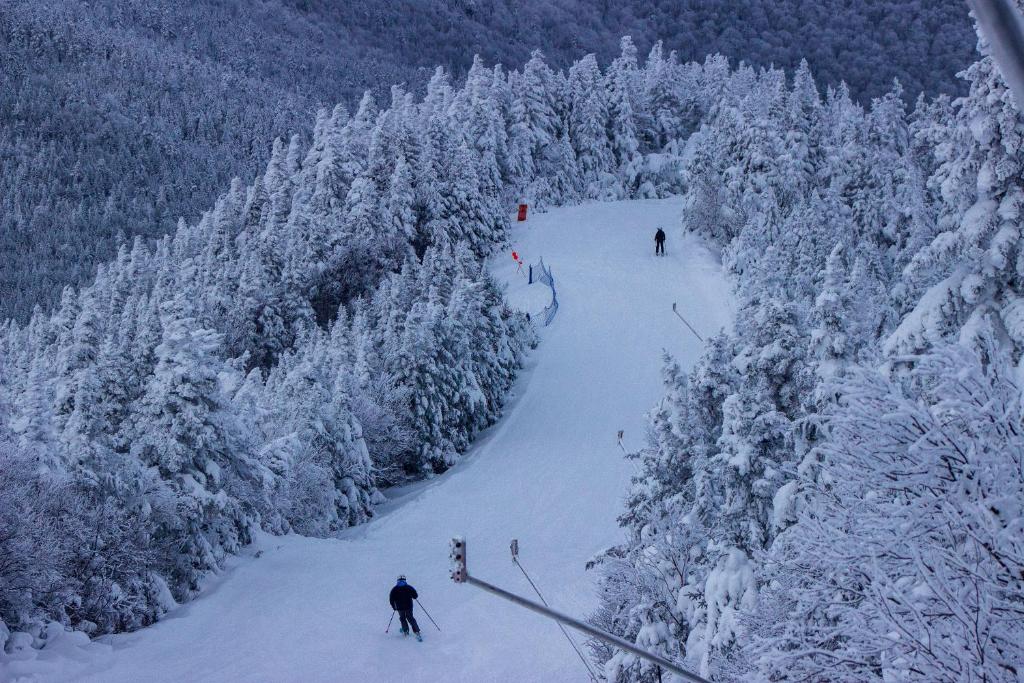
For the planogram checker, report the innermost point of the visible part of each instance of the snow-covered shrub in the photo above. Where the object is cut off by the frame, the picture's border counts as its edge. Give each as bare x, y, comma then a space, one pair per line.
906, 561
30, 558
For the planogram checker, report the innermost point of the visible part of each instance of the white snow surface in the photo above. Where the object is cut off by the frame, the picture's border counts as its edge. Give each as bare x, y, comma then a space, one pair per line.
550, 473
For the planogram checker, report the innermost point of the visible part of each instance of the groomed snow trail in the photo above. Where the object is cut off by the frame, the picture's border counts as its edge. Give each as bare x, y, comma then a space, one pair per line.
550, 474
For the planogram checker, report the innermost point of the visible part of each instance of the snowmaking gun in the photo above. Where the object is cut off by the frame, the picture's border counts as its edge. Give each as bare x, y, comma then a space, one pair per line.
460, 574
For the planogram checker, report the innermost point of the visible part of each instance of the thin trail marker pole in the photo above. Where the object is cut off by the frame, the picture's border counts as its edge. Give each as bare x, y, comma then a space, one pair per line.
514, 547
676, 311
428, 615
389, 621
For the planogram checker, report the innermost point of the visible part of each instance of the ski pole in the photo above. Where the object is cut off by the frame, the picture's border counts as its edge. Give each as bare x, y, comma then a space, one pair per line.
389, 621
428, 615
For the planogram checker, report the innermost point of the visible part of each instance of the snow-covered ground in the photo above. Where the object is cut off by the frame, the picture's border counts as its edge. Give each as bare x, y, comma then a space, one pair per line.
550, 474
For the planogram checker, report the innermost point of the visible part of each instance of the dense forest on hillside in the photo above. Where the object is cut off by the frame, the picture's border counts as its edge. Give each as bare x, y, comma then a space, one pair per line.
832, 493
117, 117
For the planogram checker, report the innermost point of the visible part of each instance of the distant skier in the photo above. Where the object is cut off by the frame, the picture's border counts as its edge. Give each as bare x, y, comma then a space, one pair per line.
659, 242
401, 599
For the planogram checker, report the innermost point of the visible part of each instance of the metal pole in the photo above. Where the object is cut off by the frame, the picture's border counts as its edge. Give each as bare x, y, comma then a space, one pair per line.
686, 323
1003, 29
585, 628
389, 621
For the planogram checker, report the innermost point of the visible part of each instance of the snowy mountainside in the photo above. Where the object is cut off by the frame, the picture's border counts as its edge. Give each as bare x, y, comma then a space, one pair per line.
550, 474
801, 497
118, 117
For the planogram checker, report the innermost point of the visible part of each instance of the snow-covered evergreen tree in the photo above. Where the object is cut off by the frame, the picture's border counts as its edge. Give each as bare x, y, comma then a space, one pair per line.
971, 267
183, 431
624, 83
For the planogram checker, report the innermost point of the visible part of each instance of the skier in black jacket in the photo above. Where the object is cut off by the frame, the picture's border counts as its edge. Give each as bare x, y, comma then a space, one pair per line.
659, 242
401, 599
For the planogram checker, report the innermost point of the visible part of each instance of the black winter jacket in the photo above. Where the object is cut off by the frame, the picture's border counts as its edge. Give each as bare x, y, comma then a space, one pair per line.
402, 596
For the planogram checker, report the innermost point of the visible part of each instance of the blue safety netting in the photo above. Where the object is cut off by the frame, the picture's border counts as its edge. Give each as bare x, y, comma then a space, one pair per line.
542, 273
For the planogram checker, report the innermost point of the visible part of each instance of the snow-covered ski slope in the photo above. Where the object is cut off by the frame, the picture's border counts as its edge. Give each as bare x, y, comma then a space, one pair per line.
550, 474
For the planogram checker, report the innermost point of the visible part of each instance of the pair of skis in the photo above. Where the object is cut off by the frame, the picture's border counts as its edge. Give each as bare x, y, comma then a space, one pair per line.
419, 636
